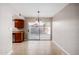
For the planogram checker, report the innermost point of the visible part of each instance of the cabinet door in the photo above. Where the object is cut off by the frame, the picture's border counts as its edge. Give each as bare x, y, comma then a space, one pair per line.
18, 37
19, 24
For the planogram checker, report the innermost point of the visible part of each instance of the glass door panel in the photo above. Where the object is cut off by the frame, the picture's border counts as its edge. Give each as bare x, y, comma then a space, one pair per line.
45, 29
33, 31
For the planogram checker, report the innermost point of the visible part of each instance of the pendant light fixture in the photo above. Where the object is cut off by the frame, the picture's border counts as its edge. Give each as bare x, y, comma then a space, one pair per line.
38, 22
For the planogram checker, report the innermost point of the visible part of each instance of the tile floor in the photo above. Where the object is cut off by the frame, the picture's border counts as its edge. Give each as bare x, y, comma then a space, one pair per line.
36, 48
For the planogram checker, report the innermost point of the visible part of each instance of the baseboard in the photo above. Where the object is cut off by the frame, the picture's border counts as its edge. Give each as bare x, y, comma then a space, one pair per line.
10, 52
61, 48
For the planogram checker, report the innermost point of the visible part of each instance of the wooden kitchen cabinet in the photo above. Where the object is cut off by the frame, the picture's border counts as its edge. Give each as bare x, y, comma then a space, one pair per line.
19, 23
18, 36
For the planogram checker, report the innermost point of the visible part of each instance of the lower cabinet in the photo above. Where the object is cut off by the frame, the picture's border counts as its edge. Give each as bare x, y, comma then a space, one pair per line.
18, 36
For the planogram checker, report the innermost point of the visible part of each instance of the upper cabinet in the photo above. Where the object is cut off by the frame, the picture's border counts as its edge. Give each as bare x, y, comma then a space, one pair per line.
19, 23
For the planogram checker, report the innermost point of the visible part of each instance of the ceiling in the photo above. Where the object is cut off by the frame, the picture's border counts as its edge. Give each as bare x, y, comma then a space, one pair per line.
30, 9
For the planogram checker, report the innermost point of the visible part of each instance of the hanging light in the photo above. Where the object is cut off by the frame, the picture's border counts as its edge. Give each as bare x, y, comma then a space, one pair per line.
38, 22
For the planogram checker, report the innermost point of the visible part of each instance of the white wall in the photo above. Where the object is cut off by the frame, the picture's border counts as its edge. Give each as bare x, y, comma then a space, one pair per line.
5, 29
65, 28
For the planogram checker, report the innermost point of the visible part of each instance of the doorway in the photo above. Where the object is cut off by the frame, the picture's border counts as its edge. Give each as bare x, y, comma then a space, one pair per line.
41, 30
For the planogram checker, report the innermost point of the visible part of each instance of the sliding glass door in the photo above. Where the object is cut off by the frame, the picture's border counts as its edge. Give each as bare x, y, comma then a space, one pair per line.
39, 30
33, 31
45, 29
